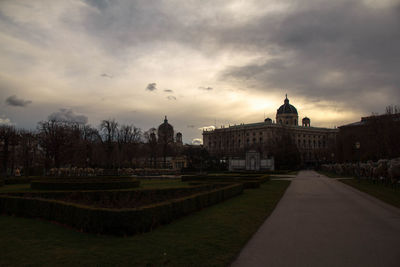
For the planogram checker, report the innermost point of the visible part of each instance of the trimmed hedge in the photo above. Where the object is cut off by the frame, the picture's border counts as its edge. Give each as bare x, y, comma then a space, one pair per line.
84, 184
111, 221
117, 198
250, 181
17, 180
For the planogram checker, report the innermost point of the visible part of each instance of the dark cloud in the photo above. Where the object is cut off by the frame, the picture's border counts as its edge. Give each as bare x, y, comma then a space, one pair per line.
151, 87
105, 75
67, 115
127, 23
171, 97
168, 91
205, 88
17, 102
343, 51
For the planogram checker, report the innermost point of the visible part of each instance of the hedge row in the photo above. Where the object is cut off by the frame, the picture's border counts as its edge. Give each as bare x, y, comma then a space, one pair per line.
84, 184
250, 181
17, 180
246, 184
117, 198
117, 222
28, 179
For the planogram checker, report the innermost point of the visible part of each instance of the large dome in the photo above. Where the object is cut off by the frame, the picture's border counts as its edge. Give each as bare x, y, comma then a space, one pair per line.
286, 108
165, 132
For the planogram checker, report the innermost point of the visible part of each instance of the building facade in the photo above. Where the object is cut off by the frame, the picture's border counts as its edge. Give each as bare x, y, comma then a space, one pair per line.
377, 137
285, 136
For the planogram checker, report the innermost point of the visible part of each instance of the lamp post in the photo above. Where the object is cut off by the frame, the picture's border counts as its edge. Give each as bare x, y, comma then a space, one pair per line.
357, 145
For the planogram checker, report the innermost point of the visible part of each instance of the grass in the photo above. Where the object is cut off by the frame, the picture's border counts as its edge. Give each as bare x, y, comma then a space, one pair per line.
385, 193
15, 188
210, 237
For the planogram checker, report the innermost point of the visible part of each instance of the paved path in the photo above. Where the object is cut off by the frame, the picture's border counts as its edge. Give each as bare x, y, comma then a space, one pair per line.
322, 222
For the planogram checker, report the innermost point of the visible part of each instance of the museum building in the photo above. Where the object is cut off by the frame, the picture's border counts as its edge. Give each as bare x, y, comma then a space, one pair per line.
313, 144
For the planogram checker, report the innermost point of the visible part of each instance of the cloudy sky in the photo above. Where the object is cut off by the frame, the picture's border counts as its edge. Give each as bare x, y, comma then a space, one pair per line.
201, 63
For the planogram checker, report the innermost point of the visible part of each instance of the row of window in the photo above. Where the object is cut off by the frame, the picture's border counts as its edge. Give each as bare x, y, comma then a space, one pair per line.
304, 144
270, 134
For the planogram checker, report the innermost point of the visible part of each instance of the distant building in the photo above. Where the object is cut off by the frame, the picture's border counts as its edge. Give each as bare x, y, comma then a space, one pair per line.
165, 134
170, 146
272, 139
377, 137
252, 162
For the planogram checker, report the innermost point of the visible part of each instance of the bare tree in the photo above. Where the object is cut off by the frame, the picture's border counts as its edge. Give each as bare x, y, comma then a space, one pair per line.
28, 146
53, 138
109, 134
392, 109
128, 138
151, 139
8, 139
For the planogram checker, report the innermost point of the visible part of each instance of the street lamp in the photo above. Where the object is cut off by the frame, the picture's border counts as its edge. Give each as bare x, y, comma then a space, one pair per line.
357, 145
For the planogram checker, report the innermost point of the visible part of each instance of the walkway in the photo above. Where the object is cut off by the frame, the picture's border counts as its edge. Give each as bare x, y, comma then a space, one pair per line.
322, 222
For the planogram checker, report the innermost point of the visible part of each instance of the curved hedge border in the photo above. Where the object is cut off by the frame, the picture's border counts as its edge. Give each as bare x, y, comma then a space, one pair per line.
111, 221
17, 180
115, 199
84, 184
251, 181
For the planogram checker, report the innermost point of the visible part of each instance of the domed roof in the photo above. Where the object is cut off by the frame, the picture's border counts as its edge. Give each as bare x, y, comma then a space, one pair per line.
165, 132
286, 108
268, 120
165, 126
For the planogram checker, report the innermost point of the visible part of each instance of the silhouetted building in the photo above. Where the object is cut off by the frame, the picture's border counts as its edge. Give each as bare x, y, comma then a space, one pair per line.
280, 139
287, 114
377, 137
165, 132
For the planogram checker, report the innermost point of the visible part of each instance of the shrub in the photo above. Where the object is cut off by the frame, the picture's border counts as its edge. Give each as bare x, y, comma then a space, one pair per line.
17, 180
248, 180
84, 183
111, 221
117, 198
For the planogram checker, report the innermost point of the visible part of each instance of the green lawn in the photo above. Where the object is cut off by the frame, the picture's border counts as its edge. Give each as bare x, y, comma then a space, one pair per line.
384, 193
210, 237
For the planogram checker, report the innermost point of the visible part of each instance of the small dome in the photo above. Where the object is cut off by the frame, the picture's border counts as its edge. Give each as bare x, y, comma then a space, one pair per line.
268, 120
286, 108
306, 122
